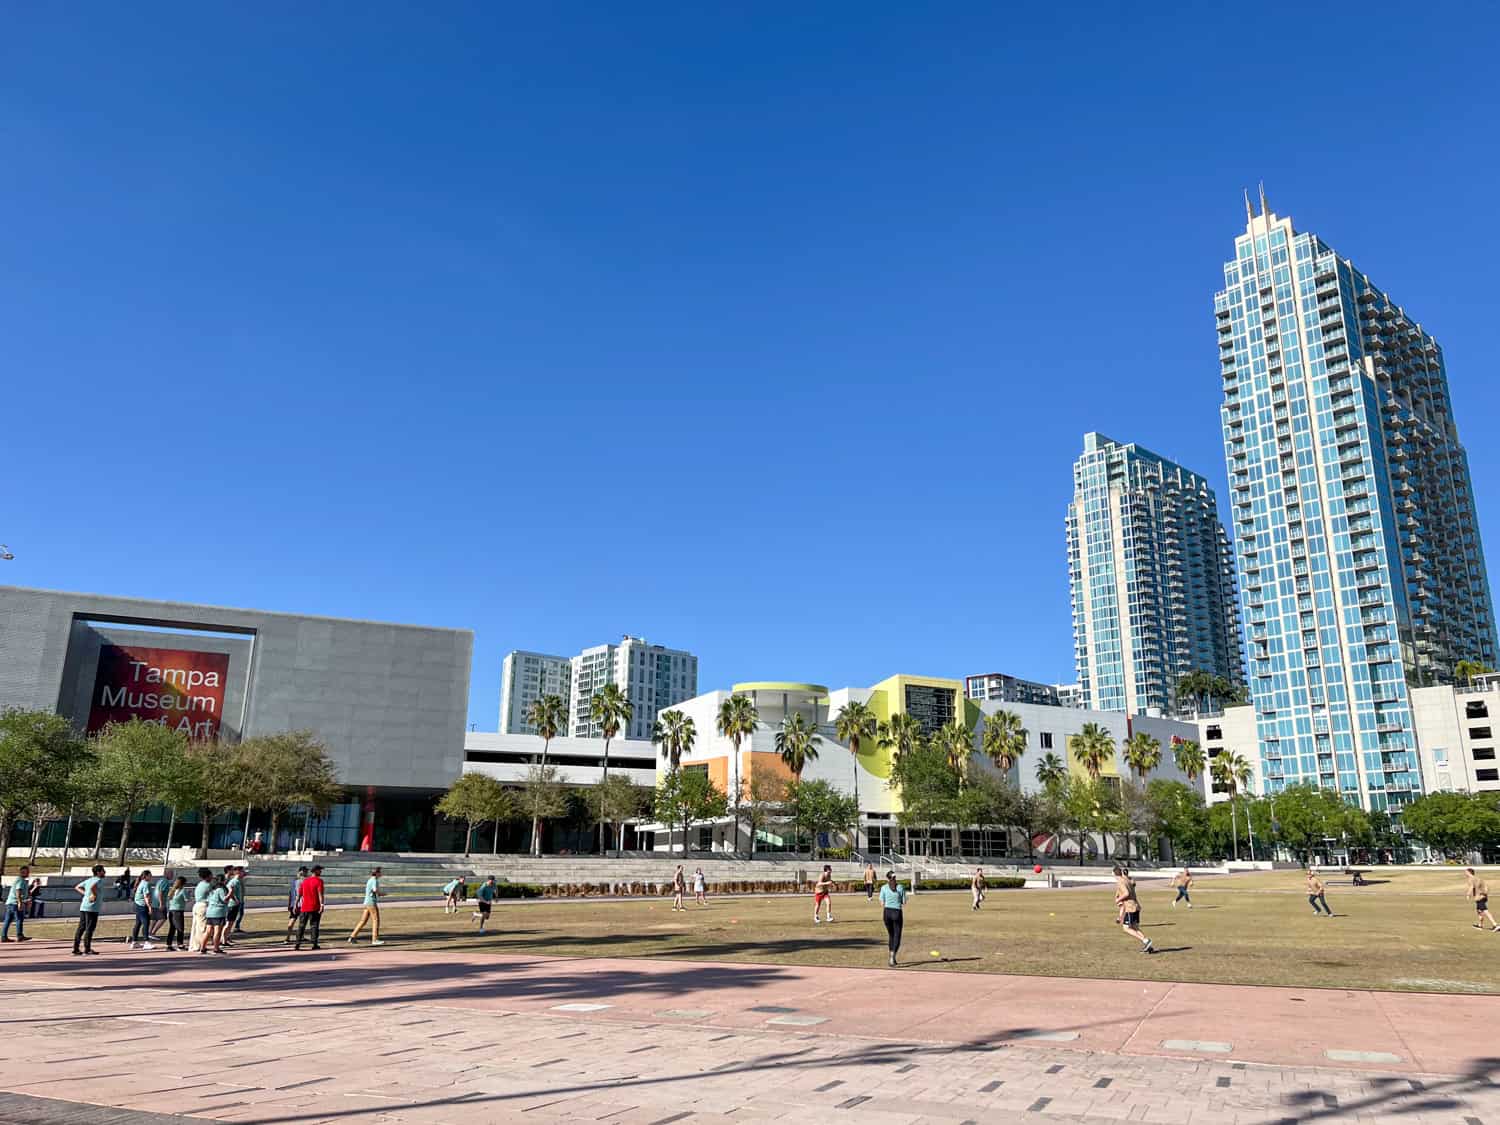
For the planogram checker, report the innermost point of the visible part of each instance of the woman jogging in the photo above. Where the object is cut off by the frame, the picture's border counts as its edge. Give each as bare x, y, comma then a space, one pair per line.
893, 903
177, 900
700, 888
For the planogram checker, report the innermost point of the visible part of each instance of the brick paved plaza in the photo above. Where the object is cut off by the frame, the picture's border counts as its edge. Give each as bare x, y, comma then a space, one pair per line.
397, 1035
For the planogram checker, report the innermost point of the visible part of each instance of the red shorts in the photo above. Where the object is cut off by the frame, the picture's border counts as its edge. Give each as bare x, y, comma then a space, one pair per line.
819, 896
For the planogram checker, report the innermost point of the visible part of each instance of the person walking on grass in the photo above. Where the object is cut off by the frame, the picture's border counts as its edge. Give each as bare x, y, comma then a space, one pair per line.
452, 890
700, 888
201, 890
177, 904
869, 881
1479, 895
484, 899
976, 887
893, 913
294, 903
90, 892
1130, 909
679, 888
159, 895
17, 899
234, 883
823, 894
1315, 894
216, 916
1183, 880
140, 933
371, 912
310, 906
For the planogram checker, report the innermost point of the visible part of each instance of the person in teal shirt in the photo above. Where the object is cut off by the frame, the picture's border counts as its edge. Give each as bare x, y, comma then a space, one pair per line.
159, 896
893, 903
176, 899
88, 912
451, 891
15, 905
140, 933
198, 935
484, 898
234, 883
371, 912
216, 915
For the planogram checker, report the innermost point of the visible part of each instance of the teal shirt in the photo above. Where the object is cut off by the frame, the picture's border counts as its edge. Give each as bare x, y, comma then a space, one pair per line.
143, 893
178, 901
451, 887
163, 889
90, 891
485, 893
218, 904
201, 892
235, 887
17, 893
893, 898
372, 890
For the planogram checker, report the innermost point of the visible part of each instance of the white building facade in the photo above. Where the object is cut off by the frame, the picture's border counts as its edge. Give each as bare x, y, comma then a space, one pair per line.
524, 678
652, 677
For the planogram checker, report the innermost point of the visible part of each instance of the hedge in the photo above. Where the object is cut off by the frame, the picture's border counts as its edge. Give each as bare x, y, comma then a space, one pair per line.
991, 882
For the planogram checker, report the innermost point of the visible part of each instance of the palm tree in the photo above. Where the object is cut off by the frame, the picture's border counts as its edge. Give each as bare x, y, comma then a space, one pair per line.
675, 733
1189, 757
547, 714
956, 742
1232, 771
855, 723
610, 708
1142, 753
797, 743
1092, 748
1050, 770
736, 722
1004, 739
900, 734
1466, 670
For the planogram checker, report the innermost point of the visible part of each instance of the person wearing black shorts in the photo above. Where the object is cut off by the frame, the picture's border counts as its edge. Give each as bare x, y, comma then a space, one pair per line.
1479, 895
1129, 903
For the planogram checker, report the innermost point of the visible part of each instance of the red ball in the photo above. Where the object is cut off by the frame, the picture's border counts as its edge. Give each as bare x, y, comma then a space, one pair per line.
1038, 869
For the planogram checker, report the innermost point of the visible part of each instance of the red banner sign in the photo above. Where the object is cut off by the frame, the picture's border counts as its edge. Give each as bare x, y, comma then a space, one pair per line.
166, 686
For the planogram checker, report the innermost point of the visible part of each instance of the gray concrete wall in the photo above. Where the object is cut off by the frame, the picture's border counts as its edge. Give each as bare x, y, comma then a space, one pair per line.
391, 701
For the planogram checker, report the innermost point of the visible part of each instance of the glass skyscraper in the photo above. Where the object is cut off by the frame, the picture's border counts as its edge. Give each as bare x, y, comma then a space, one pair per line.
1358, 548
1151, 577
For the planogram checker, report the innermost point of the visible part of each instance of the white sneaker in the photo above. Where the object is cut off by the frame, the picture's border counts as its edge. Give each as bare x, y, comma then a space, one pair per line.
815, 920
377, 942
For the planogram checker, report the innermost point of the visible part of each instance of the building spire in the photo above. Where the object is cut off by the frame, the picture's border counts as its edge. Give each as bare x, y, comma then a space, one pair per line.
1249, 211
1264, 209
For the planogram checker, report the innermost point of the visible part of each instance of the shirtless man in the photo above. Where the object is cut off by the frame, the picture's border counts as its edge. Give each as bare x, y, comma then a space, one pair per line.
976, 886
1315, 895
823, 894
869, 881
1479, 895
1183, 881
1130, 909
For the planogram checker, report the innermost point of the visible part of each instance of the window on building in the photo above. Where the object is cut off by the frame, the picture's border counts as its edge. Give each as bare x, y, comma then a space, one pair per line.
1046, 739
1480, 734
1487, 775
1215, 734
1484, 753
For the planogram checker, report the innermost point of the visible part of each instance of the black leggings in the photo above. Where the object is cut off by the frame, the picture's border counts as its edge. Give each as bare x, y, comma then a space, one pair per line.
88, 921
313, 916
175, 932
893, 920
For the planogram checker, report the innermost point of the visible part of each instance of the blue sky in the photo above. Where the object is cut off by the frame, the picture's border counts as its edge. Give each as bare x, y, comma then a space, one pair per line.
768, 331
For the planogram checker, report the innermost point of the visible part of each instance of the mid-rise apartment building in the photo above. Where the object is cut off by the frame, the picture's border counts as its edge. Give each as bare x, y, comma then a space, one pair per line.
653, 678
524, 678
1358, 548
1011, 689
1151, 576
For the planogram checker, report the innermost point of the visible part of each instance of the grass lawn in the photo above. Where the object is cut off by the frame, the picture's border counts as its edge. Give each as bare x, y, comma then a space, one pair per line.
1411, 931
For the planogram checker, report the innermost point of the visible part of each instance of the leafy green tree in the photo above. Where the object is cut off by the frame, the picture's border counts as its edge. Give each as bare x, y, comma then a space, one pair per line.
765, 802
1465, 670
817, 807
1180, 815
38, 753
736, 721
1035, 814
856, 724
1307, 816
1142, 753
1453, 824
543, 797
1051, 770
1188, 755
1080, 800
131, 755
928, 787
797, 743
618, 799
675, 732
611, 709
473, 799
956, 742
1093, 748
686, 797
177, 787
290, 770
222, 774
1003, 740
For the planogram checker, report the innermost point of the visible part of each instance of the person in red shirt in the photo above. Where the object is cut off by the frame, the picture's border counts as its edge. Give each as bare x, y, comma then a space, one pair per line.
310, 906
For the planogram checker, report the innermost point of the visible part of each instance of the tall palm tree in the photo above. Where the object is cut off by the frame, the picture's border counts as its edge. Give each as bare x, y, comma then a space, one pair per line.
1004, 739
900, 734
1189, 757
736, 722
1093, 748
1050, 770
1466, 670
547, 714
797, 742
675, 733
1232, 771
1142, 753
956, 742
855, 723
610, 708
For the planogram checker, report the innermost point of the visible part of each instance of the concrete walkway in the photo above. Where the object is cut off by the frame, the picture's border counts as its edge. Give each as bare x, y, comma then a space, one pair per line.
384, 1035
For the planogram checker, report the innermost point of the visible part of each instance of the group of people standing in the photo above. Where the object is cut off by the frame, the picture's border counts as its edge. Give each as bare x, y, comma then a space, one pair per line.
216, 904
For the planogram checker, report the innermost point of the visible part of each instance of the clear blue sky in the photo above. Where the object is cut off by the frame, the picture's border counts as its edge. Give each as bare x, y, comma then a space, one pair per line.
768, 331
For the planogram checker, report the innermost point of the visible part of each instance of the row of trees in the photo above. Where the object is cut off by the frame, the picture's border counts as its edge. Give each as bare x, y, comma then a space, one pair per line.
49, 773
